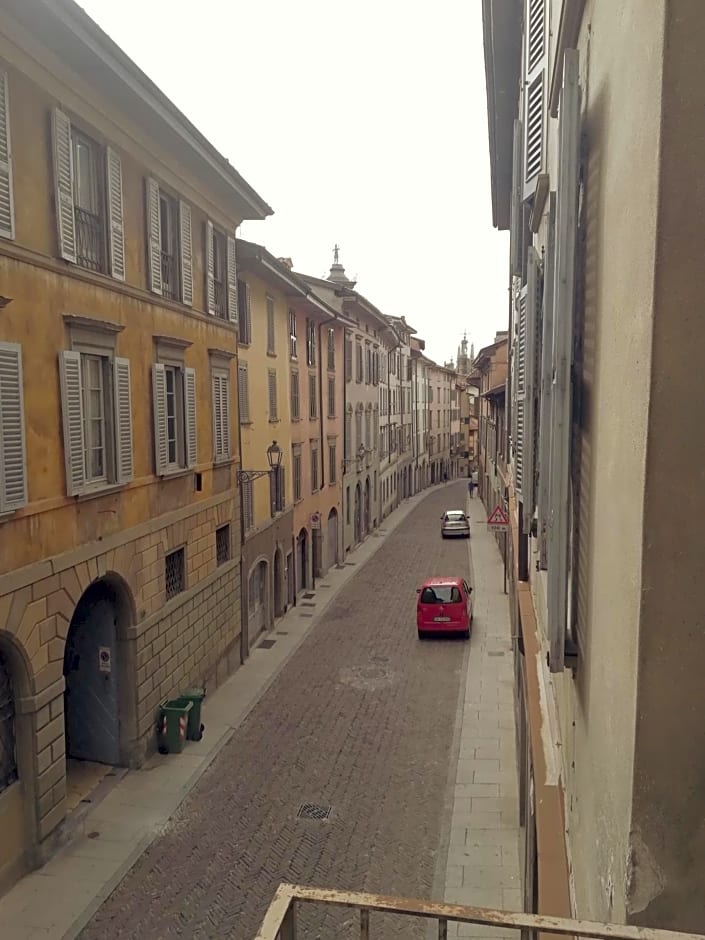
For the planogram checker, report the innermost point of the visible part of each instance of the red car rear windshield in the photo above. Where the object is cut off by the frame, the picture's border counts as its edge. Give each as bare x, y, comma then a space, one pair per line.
441, 594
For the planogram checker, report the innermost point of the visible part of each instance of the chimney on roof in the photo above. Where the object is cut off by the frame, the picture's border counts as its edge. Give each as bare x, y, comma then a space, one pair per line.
500, 335
288, 262
337, 271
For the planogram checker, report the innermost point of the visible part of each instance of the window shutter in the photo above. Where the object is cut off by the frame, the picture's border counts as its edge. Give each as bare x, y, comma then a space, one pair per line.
546, 383
516, 227
270, 325
13, 460
531, 310
519, 380
154, 235
564, 298
534, 93
272, 388
63, 184
190, 416
7, 209
210, 269
161, 444
124, 470
116, 222
243, 392
348, 359
186, 253
247, 507
225, 413
72, 410
232, 281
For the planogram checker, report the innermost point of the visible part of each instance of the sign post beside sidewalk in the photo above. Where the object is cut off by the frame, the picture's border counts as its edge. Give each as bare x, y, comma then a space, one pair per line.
498, 521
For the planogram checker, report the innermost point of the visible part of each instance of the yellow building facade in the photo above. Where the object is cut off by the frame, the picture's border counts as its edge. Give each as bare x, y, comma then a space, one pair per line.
119, 519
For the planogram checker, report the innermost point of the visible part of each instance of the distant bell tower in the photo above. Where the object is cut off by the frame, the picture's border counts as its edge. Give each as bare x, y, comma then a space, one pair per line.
337, 271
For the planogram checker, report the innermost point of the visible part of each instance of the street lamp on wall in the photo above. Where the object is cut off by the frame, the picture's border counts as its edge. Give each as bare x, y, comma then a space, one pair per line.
274, 459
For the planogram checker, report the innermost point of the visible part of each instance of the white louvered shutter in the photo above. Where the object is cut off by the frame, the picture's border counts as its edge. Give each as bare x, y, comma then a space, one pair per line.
186, 248
161, 443
13, 461
544, 454
561, 403
519, 380
243, 392
63, 185
123, 421
534, 93
72, 410
531, 312
190, 417
225, 410
272, 387
516, 225
116, 221
232, 281
210, 270
154, 235
7, 203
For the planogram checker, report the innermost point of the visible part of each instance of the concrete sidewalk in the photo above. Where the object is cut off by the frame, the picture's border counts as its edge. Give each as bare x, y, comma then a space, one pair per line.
130, 810
482, 866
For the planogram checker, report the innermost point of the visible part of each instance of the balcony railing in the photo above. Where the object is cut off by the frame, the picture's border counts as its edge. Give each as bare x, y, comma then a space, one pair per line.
221, 299
168, 276
90, 240
280, 921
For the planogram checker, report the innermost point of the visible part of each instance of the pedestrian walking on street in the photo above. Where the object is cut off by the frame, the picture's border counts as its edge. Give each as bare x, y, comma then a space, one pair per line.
471, 487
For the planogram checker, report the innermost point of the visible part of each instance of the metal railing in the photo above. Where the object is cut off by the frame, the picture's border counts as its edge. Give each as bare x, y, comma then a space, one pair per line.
280, 921
90, 239
168, 275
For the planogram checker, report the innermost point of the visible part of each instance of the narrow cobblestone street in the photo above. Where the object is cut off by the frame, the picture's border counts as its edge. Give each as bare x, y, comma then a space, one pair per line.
361, 719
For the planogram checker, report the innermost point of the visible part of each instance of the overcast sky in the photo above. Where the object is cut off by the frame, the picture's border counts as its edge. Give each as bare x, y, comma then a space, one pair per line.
361, 123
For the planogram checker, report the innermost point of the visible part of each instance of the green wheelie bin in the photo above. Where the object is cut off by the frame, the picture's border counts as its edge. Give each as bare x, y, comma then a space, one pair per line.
173, 721
195, 728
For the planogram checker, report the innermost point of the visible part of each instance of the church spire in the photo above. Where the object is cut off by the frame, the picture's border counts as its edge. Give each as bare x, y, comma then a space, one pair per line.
337, 271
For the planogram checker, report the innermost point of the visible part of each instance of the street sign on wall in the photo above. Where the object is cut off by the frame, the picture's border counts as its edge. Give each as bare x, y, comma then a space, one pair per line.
498, 521
315, 520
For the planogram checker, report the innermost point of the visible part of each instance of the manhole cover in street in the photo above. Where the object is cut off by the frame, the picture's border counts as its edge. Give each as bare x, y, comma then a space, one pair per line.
366, 678
308, 595
266, 644
495, 653
313, 811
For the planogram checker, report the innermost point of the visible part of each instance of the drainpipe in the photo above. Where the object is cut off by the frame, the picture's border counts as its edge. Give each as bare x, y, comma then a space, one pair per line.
244, 594
321, 422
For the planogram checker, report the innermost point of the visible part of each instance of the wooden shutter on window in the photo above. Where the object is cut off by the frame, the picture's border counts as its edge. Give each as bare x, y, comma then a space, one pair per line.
116, 222
186, 249
13, 460
154, 235
210, 269
191, 434
72, 412
161, 444
270, 325
243, 392
232, 281
272, 390
124, 470
546, 387
7, 205
221, 415
519, 385
516, 227
225, 410
534, 93
561, 403
348, 358
533, 300
63, 185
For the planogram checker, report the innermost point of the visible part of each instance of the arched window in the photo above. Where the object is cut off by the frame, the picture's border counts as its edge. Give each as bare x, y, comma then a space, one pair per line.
8, 757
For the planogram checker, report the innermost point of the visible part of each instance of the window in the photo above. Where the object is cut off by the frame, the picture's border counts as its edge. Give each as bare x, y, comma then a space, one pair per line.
277, 492
368, 365
168, 244
271, 349
97, 412
222, 544
348, 436
174, 402
297, 473
368, 431
310, 343
358, 430
88, 203
348, 359
243, 392
292, 334
245, 310
314, 466
312, 397
272, 395
295, 405
175, 573
220, 278
248, 503
332, 462
13, 462
7, 210
358, 362
331, 349
331, 398
221, 274
347, 504
221, 414
8, 756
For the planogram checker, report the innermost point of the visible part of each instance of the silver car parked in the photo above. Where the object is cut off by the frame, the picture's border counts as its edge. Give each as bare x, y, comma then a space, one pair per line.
455, 522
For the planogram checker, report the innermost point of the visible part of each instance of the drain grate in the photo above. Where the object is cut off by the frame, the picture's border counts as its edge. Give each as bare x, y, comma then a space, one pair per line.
282, 633
266, 644
308, 603
305, 615
314, 811
494, 653
350, 564
309, 594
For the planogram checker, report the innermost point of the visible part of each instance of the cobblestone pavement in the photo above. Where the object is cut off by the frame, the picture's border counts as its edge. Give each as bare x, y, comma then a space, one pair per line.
360, 719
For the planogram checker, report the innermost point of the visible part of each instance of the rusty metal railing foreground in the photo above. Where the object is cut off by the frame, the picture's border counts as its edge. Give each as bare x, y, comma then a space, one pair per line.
280, 920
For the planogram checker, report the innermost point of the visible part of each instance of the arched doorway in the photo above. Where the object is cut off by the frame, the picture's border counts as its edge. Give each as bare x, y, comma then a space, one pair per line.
358, 514
92, 672
301, 558
367, 506
278, 584
257, 600
332, 538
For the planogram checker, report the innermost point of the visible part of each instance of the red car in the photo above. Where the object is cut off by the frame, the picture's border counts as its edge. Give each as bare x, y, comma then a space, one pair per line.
444, 605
